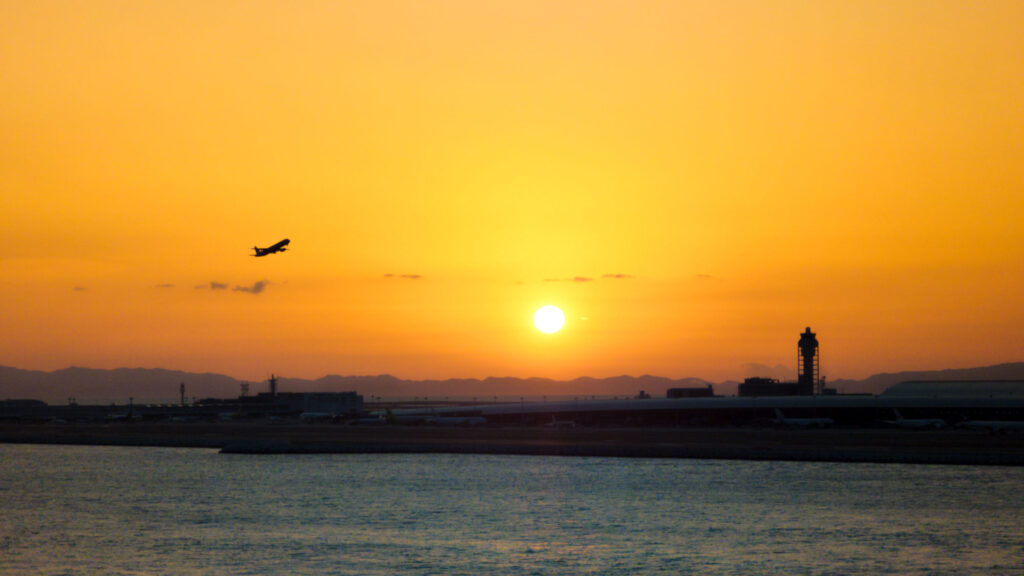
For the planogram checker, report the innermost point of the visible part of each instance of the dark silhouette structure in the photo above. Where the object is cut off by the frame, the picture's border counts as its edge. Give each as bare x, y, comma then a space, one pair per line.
694, 392
808, 381
772, 387
808, 361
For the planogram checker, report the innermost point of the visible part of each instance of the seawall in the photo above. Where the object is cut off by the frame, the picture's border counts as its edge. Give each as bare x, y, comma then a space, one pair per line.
831, 445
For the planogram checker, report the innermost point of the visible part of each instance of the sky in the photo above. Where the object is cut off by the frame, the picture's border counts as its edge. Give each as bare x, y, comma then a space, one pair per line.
692, 183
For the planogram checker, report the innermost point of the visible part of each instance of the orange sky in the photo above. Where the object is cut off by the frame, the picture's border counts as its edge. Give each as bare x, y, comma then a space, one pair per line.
746, 168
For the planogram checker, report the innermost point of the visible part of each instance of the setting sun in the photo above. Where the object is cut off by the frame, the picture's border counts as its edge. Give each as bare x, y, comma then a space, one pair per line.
549, 319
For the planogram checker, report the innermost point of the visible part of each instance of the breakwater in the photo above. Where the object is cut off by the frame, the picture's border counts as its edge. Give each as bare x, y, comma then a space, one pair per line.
838, 445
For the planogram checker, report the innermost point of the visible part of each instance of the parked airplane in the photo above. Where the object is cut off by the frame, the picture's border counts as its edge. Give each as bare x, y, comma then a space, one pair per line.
916, 424
371, 421
993, 426
466, 421
781, 420
560, 424
279, 247
317, 416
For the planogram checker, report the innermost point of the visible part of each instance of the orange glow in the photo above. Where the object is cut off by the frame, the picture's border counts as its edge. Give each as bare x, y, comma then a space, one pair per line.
694, 183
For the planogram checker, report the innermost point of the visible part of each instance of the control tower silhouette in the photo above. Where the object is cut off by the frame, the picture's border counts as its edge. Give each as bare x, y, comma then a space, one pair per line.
807, 362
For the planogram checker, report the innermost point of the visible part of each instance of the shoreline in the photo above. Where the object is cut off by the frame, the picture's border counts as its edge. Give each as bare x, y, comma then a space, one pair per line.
963, 447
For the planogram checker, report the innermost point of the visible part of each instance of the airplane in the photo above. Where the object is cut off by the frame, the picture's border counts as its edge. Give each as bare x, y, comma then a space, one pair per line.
279, 247
993, 426
782, 421
466, 421
370, 421
317, 416
916, 424
560, 424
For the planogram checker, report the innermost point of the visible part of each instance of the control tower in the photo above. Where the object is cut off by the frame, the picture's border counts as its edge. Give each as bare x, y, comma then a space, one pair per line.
807, 368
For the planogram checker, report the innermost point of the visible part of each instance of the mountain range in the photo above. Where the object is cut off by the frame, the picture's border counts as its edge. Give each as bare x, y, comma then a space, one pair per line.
146, 385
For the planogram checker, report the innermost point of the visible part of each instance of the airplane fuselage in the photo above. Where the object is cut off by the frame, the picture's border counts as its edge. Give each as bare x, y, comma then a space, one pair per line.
279, 247
918, 424
805, 422
994, 426
784, 422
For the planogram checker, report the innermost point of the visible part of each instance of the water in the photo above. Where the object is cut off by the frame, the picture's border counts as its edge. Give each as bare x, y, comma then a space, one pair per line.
110, 510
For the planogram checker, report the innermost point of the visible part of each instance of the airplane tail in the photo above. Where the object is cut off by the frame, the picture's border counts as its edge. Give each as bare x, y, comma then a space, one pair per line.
778, 414
899, 417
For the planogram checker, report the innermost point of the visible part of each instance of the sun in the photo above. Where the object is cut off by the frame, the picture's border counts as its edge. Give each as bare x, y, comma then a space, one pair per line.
549, 319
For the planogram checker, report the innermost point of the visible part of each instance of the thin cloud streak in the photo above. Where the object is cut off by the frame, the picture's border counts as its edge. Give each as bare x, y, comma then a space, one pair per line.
256, 288
573, 279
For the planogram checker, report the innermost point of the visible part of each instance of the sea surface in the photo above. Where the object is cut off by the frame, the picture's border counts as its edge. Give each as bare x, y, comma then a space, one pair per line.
114, 510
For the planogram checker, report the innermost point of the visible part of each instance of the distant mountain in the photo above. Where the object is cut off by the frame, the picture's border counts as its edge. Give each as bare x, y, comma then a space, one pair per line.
879, 382
146, 385
389, 386
779, 372
89, 385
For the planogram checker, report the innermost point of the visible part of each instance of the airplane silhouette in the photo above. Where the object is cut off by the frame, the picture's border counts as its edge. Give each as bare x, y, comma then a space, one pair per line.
993, 426
279, 247
783, 422
916, 424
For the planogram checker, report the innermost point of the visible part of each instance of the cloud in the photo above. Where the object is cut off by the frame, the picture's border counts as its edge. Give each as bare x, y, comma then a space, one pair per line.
404, 276
256, 288
704, 277
165, 285
618, 276
218, 286
573, 279
80, 288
